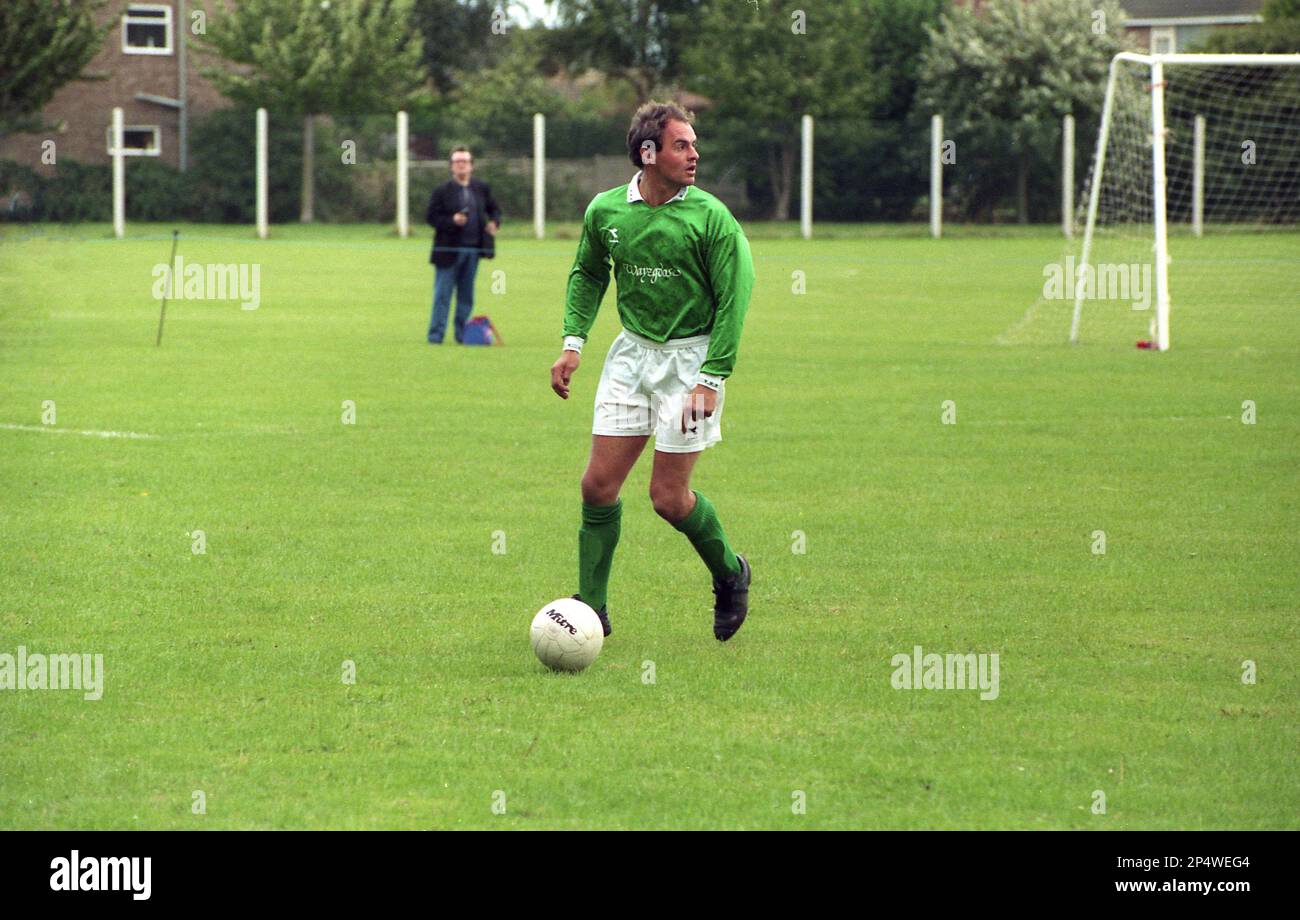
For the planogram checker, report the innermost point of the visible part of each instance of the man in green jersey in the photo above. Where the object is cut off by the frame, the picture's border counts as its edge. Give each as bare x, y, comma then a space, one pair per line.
684, 275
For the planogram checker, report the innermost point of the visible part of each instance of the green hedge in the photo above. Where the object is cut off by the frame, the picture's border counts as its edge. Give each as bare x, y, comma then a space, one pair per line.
218, 188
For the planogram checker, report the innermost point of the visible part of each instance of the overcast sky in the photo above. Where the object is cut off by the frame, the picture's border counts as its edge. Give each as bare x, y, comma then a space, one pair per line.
538, 9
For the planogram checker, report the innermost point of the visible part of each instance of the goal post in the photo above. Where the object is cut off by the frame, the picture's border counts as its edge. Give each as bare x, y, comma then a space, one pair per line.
1189, 145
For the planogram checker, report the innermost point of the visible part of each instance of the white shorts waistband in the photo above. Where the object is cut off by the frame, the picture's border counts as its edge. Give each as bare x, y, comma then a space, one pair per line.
690, 342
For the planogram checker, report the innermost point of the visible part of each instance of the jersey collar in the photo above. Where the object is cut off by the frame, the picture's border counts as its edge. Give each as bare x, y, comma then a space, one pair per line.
634, 193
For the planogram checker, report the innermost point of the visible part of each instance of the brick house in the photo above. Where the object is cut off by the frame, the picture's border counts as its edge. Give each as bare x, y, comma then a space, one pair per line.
1164, 26
138, 68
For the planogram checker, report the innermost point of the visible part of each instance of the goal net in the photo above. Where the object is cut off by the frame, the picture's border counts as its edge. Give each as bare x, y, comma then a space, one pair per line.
1190, 214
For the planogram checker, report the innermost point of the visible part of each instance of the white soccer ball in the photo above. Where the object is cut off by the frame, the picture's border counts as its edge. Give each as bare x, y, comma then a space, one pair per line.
567, 635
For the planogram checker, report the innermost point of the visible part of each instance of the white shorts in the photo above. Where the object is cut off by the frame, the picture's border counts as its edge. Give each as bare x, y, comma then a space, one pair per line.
643, 386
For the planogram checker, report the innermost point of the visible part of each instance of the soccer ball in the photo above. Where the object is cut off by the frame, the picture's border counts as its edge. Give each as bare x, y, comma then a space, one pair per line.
567, 635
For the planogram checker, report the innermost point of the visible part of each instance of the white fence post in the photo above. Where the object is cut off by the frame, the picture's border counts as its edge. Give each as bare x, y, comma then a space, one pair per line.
805, 179
539, 175
119, 176
1198, 176
936, 175
1158, 203
262, 209
1067, 176
403, 176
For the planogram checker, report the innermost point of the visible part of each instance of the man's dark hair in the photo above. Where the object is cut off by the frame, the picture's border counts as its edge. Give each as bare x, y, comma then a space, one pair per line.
459, 148
648, 125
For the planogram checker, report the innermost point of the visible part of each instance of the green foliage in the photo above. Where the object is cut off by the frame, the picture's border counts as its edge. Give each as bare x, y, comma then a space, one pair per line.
898, 33
755, 67
1003, 79
1281, 36
643, 43
305, 57
219, 187
867, 167
222, 174
224, 184
1276, 10
492, 111
867, 170
17, 186
79, 192
157, 191
84, 192
312, 57
458, 38
764, 66
43, 45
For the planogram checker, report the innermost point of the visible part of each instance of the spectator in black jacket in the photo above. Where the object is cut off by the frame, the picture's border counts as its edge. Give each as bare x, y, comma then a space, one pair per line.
465, 218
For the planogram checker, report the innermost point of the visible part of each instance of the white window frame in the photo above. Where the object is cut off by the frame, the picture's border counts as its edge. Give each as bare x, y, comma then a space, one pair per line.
153, 150
1165, 32
165, 22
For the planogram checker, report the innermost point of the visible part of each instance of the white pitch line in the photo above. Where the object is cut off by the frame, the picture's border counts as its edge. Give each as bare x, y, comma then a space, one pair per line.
135, 435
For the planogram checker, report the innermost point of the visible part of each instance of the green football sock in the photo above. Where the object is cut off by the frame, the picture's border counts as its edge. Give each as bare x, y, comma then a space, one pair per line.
597, 538
704, 531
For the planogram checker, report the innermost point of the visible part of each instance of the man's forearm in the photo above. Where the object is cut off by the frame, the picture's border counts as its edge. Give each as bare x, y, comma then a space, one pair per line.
581, 304
731, 269
720, 360
588, 280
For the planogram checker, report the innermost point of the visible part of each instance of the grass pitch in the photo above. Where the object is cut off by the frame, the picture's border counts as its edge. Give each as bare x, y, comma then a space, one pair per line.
418, 542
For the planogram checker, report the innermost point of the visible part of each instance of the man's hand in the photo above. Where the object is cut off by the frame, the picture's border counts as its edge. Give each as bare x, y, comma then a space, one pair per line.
562, 370
492, 227
460, 218
698, 406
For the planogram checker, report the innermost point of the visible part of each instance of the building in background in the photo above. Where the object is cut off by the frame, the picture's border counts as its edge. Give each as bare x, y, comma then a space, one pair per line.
142, 67
1166, 26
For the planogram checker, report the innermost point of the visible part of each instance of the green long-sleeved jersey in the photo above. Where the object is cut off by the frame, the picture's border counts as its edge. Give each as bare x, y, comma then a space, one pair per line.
682, 269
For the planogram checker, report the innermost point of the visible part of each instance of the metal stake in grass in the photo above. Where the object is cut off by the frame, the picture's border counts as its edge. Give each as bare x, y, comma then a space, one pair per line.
171, 266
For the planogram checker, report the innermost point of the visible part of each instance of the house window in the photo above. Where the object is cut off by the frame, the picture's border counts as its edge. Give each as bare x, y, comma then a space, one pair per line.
1192, 37
147, 29
137, 141
1164, 40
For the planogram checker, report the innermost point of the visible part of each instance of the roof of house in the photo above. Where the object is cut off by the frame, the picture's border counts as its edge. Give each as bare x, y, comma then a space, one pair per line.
1180, 9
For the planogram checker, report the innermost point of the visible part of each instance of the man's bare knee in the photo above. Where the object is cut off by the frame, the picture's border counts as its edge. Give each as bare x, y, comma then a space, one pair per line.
671, 502
598, 490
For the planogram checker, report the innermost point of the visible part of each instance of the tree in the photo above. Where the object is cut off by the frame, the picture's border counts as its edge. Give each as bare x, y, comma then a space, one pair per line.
639, 41
1279, 33
1004, 77
764, 66
458, 37
306, 58
863, 169
1280, 9
43, 45
495, 110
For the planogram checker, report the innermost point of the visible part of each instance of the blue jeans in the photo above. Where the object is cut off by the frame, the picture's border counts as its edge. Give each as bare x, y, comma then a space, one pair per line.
458, 275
